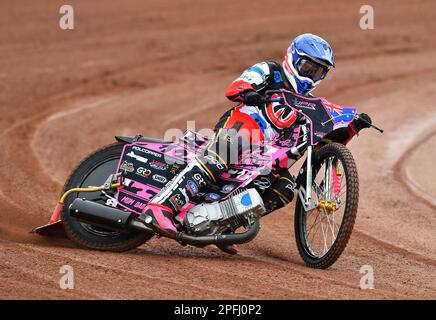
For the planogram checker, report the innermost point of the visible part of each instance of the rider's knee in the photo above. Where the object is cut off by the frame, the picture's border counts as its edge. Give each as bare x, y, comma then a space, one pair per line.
284, 186
213, 165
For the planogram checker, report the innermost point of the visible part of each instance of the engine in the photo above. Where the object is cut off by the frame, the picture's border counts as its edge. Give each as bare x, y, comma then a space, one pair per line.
239, 210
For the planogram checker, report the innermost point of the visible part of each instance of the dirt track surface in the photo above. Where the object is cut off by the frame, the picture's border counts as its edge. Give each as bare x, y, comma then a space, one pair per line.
146, 66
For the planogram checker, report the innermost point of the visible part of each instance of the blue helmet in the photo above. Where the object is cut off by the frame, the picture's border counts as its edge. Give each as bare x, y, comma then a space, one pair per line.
307, 62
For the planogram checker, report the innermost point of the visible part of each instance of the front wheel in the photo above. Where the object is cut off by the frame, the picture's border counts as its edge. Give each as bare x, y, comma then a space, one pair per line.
93, 171
323, 233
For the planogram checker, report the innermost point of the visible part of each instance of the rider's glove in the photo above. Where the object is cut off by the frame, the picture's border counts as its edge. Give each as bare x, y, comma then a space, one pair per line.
252, 98
363, 121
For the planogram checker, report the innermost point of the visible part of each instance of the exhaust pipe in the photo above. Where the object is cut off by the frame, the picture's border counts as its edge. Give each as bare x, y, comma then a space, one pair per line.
100, 215
123, 221
223, 239
218, 239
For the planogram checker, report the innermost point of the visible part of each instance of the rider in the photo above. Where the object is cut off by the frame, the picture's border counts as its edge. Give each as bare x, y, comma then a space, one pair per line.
307, 62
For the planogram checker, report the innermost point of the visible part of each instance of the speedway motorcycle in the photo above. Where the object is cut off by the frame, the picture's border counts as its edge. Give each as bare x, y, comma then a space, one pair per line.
108, 190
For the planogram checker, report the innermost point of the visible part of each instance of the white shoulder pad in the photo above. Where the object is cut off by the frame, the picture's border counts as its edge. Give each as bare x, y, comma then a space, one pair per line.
256, 74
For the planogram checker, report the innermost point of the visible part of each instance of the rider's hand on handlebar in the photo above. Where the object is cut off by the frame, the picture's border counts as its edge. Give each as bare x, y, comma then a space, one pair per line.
252, 98
362, 121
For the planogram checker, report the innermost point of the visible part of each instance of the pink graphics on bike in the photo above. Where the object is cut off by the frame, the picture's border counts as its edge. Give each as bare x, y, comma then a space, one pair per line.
148, 166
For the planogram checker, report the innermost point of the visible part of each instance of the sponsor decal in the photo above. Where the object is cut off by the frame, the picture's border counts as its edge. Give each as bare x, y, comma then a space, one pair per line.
177, 201
246, 78
285, 143
111, 202
192, 187
133, 203
227, 188
320, 134
143, 172
131, 154
127, 200
304, 104
147, 151
158, 165
159, 178
127, 166
214, 161
185, 194
262, 183
174, 168
139, 205
291, 186
212, 197
277, 76
200, 181
281, 115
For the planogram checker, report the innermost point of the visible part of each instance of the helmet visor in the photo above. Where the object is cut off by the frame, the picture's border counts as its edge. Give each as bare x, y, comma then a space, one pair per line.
311, 69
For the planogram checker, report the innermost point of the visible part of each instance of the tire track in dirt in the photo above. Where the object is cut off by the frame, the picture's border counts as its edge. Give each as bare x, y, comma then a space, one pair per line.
403, 165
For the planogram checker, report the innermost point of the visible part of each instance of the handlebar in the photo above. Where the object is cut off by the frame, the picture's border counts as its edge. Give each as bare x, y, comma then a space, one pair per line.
268, 99
370, 124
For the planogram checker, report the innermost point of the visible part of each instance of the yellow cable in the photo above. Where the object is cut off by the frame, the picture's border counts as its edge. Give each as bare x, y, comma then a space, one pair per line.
281, 195
93, 189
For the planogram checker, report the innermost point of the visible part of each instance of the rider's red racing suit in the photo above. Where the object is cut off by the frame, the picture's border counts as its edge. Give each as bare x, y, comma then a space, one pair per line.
254, 120
262, 121
270, 119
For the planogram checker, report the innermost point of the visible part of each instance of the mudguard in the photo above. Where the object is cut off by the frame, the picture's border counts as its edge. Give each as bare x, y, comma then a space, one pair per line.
139, 138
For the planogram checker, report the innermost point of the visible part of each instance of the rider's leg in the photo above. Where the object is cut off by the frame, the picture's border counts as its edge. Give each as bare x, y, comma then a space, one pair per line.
228, 142
280, 193
176, 194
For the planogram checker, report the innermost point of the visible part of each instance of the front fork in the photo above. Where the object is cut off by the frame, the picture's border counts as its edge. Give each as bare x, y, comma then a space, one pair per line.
308, 195
331, 186
327, 179
305, 192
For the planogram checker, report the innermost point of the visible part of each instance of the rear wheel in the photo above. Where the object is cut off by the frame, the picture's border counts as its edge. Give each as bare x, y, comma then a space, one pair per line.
323, 233
93, 171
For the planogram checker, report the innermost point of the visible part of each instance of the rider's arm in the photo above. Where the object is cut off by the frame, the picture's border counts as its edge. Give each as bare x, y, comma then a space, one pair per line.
254, 78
